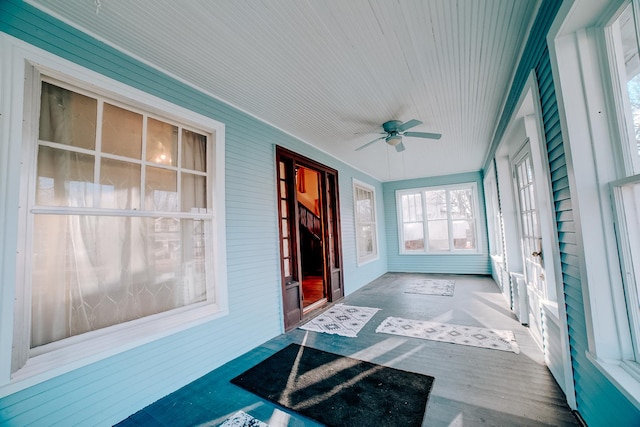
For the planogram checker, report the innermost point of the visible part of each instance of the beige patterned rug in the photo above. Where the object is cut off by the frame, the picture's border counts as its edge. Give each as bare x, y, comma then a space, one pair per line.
432, 287
495, 339
242, 419
344, 320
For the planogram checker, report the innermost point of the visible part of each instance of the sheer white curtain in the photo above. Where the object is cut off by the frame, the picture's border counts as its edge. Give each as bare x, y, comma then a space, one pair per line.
94, 271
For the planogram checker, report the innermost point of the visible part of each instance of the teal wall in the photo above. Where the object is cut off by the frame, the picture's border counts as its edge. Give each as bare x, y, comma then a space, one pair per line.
477, 263
108, 391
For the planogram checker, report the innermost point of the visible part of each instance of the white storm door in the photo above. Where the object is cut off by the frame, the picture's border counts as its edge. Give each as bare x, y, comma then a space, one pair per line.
531, 239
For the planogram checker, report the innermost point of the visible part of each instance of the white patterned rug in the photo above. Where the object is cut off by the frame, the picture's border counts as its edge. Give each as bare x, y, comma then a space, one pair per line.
242, 419
344, 320
495, 339
432, 287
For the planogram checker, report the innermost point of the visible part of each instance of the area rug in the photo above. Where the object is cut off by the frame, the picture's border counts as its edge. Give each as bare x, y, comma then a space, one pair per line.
344, 320
337, 390
495, 339
432, 287
242, 419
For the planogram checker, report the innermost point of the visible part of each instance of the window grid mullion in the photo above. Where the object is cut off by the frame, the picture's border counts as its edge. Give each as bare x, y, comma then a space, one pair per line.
425, 221
449, 219
179, 170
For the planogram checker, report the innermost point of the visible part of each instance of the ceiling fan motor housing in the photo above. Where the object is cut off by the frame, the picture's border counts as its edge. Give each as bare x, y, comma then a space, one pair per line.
391, 126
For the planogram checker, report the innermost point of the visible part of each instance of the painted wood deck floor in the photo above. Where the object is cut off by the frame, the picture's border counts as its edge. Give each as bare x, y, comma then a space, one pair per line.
473, 386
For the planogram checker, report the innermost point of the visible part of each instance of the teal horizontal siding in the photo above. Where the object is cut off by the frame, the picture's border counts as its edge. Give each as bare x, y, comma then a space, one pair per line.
455, 264
107, 391
598, 401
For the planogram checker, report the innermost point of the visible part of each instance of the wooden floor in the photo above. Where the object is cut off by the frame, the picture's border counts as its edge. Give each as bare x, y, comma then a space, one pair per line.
473, 386
312, 290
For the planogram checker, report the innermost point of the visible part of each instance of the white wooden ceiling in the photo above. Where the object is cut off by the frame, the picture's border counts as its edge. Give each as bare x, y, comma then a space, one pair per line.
330, 72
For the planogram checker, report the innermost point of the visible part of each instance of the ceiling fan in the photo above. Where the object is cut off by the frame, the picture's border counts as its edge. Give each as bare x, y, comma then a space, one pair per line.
394, 130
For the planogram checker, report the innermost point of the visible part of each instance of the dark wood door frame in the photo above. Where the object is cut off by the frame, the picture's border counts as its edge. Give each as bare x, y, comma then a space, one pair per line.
286, 163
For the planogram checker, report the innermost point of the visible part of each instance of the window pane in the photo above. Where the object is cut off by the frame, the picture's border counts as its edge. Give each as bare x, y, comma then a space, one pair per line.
464, 234
436, 204
194, 151
90, 272
438, 235
365, 240
194, 192
632, 69
119, 185
461, 203
162, 142
65, 178
67, 117
412, 207
161, 190
121, 132
364, 207
413, 236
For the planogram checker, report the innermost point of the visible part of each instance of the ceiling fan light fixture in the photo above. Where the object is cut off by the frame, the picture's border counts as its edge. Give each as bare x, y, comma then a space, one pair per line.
394, 139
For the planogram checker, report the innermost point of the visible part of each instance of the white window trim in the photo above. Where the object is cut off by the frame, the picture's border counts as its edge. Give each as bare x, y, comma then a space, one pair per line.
18, 57
579, 56
451, 251
362, 260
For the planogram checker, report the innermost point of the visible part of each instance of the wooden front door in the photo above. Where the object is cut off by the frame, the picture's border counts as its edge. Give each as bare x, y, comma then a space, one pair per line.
292, 233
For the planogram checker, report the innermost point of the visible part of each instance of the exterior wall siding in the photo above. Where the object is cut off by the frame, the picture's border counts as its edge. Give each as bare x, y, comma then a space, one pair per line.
598, 401
109, 390
478, 263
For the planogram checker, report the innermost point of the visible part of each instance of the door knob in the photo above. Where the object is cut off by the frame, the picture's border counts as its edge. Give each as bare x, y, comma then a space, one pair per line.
536, 253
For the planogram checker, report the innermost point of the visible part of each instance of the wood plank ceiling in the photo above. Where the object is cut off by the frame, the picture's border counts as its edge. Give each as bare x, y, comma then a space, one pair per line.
330, 72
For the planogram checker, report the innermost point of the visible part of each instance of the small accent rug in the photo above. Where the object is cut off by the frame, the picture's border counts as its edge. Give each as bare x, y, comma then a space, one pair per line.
344, 320
432, 287
337, 390
495, 339
242, 419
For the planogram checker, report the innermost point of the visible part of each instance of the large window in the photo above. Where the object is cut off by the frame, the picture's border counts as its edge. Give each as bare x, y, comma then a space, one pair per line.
626, 190
120, 238
438, 219
365, 216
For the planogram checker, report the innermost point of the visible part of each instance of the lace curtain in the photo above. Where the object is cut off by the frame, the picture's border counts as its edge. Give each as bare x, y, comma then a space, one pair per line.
92, 271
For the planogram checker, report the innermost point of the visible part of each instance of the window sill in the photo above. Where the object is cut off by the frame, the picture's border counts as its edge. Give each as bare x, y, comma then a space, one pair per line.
625, 376
456, 253
365, 261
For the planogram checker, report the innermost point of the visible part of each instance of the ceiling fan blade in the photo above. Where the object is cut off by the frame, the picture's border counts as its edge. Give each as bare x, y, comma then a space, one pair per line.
408, 125
369, 143
400, 147
423, 135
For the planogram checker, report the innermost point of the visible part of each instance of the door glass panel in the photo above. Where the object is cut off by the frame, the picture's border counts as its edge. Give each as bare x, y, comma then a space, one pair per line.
287, 267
